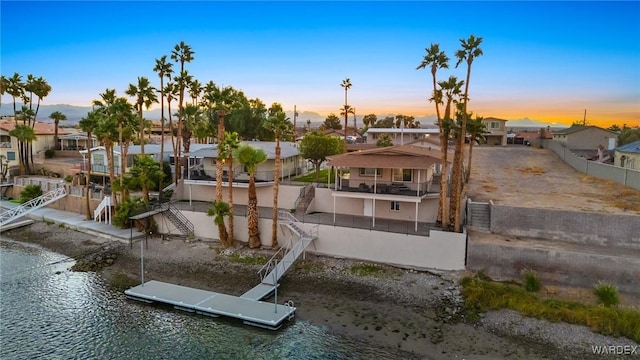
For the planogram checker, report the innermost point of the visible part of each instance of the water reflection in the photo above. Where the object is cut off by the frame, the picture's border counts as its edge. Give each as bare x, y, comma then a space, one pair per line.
49, 312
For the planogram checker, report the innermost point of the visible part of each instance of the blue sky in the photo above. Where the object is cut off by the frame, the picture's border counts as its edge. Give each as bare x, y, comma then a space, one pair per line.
545, 61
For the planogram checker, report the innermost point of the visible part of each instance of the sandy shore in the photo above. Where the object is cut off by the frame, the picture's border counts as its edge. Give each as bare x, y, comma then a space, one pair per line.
416, 313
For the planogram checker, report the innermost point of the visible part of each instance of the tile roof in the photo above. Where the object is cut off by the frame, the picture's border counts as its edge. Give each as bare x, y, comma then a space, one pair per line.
39, 128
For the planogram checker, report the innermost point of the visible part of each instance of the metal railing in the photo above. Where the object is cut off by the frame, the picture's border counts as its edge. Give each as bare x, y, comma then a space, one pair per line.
32, 205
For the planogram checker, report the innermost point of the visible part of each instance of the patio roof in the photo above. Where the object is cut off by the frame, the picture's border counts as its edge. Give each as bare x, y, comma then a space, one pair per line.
393, 157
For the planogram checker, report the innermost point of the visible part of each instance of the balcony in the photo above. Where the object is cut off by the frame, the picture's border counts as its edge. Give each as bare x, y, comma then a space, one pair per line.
390, 188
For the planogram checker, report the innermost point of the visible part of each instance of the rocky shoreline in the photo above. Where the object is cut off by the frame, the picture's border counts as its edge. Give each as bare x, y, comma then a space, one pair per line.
417, 313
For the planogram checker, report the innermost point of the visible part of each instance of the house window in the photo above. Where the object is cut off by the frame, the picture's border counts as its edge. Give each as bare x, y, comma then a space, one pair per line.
370, 172
395, 206
11, 155
402, 175
495, 125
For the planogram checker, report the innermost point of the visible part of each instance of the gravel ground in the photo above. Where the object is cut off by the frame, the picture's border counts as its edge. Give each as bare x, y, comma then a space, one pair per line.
417, 313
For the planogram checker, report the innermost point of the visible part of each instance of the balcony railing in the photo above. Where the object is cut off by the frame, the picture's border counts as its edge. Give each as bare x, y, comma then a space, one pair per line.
391, 188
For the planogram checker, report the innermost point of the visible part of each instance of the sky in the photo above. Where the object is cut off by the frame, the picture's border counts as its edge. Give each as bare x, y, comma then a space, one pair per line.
544, 61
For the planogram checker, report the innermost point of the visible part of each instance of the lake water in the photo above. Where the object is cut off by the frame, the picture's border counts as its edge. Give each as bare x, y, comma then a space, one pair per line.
49, 312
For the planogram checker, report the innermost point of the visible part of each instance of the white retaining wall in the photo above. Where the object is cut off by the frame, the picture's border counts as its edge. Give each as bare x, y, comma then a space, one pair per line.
441, 250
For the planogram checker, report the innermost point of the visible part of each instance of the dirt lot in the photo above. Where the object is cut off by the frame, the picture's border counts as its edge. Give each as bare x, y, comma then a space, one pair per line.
532, 177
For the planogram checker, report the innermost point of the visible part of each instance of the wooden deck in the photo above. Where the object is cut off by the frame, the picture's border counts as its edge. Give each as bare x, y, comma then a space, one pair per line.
250, 311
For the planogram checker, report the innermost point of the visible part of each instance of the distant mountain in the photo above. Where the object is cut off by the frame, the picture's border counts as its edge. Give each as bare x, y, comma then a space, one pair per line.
73, 113
528, 123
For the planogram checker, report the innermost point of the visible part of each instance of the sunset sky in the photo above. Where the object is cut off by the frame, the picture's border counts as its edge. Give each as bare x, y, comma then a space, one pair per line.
545, 61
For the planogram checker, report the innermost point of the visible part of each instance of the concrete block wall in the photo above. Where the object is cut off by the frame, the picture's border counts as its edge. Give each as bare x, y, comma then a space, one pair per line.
573, 226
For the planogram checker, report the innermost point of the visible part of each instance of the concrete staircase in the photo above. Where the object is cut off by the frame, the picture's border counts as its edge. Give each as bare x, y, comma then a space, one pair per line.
479, 216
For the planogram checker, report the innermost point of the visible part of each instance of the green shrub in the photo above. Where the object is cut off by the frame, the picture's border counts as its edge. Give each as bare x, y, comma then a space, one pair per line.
606, 293
531, 280
68, 178
367, 269
30, 192
49, 153
128, 208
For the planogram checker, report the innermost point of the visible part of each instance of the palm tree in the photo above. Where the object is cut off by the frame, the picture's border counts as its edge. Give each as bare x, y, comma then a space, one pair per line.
25, 135
220, 209
346, 84
181, 53
226, 148
57, 116
436, 59
15, 88
145, 173
475, 128
4, 86
88, 124
369, 120
145, 95
195, 89
279, 124
470, 50
164, 69
250, 157
171, 92
345, 110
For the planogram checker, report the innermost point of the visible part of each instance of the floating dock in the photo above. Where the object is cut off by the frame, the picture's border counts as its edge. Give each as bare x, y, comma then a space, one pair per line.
251, 312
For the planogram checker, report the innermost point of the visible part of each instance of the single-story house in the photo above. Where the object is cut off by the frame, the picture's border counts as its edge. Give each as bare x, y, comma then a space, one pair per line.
628, 155
400, 136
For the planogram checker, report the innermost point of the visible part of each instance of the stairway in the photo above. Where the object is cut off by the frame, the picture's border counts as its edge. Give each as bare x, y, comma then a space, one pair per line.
104, 206
32, 205
278, 265
305, 200
479, 216
177, 218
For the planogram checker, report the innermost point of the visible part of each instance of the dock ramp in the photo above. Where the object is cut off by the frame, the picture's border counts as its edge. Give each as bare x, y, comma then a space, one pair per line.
32, 205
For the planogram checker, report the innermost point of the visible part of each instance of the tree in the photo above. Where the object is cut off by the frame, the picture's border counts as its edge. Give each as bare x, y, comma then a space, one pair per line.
346, 84
279, 124
347, 109
436, 59
25, 135
145, 173
470, 50
88, 124
57, 116
164, 69
386, 123
316, 147
332, 122
628, 135
615, 128
384, 141
181, 54
4, 85
476, 129
145, 95
250, 157
369, 120
225, 150
219, 210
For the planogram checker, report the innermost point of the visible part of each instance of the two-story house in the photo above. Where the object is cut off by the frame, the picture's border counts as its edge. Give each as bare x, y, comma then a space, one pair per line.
580, 137
496, 133
394, 182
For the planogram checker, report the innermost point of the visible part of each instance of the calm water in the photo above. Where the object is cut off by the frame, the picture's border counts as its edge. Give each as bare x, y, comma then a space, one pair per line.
48, 312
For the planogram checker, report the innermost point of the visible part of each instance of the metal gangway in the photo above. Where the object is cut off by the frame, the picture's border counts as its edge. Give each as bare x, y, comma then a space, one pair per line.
32, 205
284, 258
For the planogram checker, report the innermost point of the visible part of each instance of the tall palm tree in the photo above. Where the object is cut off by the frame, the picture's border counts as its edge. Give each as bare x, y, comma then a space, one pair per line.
15, 88
144, 95
279, 124
195, 89
226, 149
57, 116
163, 69
171, 92
470, 50
250, 157
4, 85
436, 59
88, 124
346, 84
476, 129
181, 54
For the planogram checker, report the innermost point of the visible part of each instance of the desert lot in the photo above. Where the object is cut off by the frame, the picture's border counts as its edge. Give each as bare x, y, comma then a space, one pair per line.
525, 176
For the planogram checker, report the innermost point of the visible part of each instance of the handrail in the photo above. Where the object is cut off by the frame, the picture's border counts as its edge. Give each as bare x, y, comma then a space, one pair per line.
33, 204
106, 201
182, 218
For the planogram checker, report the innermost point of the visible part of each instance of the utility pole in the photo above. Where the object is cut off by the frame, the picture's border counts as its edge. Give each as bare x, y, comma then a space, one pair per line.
295, 115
